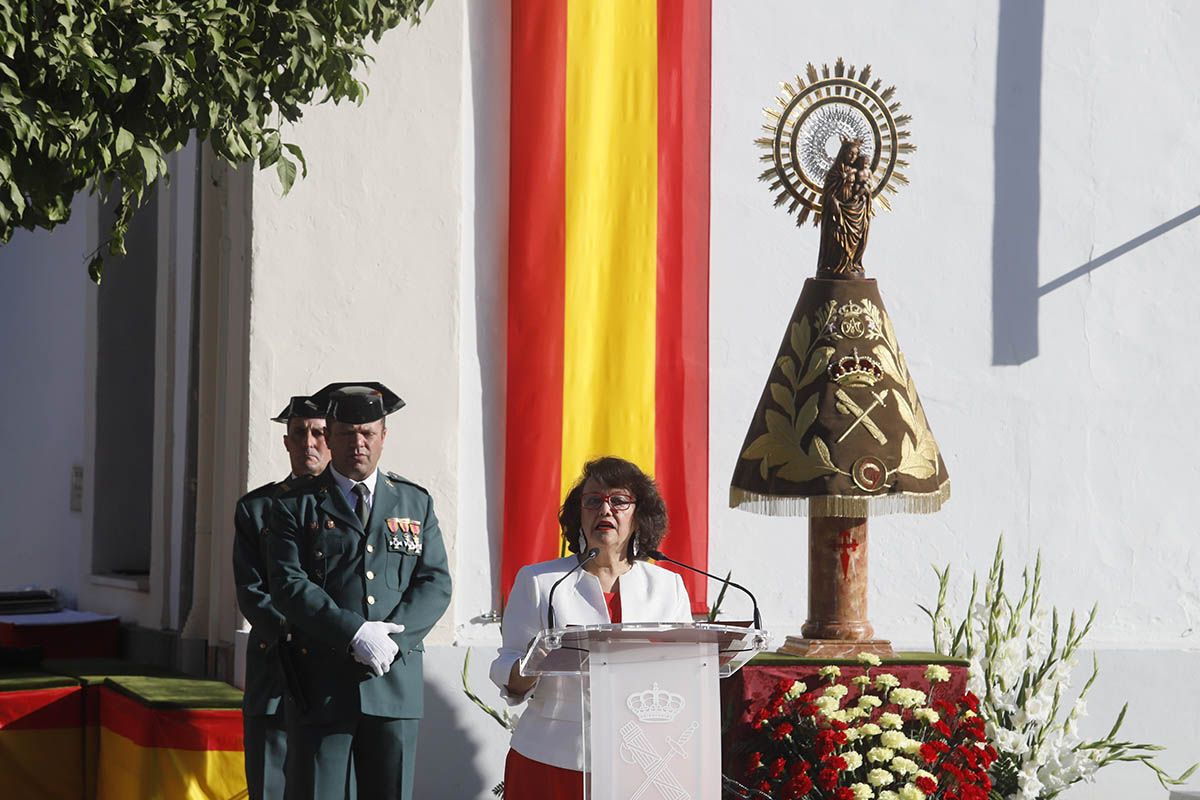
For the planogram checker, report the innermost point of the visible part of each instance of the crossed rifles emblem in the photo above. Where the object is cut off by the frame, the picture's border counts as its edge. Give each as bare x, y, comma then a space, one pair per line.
637, 749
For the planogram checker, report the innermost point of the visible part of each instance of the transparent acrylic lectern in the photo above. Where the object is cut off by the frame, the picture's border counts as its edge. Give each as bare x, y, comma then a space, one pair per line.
651, 702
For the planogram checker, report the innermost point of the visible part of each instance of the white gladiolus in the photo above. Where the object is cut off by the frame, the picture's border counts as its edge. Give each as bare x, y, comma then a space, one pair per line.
1021, 674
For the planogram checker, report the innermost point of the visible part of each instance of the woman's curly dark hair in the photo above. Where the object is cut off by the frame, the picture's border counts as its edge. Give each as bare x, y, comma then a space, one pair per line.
649, 514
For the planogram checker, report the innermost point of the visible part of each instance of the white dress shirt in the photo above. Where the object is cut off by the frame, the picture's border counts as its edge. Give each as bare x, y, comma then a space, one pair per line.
551, 728
347, 486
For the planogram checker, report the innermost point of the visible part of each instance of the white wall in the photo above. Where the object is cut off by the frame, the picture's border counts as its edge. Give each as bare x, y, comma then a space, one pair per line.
44, 290
355, 274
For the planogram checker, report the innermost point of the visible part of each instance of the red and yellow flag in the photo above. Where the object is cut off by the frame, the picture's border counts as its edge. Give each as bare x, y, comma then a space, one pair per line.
608, 262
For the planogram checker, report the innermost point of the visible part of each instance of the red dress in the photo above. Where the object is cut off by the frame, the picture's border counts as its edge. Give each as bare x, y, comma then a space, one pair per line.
526, 779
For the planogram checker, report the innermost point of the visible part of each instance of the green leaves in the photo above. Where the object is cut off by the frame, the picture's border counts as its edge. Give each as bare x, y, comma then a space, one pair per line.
96, 92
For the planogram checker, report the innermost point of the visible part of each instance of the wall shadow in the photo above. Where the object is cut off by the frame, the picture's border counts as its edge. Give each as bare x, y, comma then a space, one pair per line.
1017, 183
489, 25
1120, 250
445, 753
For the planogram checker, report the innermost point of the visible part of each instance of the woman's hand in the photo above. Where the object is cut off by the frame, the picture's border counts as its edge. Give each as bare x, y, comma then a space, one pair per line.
518, 684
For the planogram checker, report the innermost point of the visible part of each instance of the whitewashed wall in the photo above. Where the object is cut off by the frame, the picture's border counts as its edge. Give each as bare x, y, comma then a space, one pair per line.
44, 294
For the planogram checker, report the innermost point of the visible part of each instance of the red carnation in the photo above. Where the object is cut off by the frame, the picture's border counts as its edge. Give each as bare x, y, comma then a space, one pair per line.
844, 793
800, 785
754, 760
783, 730
926, 784
970, 701
827, 779
837, 762
777, 767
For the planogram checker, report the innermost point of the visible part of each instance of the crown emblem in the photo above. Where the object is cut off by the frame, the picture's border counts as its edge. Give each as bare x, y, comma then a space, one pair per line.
855, 370
655, 705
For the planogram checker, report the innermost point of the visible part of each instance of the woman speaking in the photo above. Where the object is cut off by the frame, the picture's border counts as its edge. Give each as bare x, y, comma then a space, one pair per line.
615, 508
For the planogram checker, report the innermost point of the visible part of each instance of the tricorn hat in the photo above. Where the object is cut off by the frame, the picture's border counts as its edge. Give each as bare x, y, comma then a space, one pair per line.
301, 406
358, 402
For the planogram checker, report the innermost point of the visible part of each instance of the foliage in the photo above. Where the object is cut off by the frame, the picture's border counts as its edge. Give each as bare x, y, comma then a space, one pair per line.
1021, 665
504, 718
873, 738
716, 608
97, 92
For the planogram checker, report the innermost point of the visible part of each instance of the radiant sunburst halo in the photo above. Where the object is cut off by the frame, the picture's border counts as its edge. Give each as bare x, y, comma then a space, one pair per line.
807, 127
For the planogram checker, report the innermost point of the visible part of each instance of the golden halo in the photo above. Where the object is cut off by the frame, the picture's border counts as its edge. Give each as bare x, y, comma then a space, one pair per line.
807, 127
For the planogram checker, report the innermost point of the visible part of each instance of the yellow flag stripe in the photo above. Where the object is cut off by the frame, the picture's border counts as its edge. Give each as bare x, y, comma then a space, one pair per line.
611, 233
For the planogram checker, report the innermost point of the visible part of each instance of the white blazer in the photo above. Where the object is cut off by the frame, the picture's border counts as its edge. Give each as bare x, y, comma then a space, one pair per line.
550, 729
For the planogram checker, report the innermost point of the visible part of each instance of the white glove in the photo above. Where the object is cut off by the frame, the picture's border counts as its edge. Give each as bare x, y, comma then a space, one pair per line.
372, 645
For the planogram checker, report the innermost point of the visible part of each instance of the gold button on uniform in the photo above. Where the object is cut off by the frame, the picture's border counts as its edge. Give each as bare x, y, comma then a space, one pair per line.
370, 599
262, 645
370, 548
370, 575
319, 554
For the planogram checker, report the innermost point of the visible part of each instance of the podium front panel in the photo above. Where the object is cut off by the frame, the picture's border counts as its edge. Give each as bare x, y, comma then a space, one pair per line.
652, 727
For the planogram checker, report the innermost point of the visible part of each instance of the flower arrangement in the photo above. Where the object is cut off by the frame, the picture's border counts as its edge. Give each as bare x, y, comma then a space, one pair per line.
1020, 668
873, 738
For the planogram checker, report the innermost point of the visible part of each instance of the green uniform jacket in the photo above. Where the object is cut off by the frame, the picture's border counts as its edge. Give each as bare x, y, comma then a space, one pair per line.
328, 576
264, 682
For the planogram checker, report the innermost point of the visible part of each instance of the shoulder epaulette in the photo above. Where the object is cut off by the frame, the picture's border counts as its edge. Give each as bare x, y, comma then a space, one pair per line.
392, 476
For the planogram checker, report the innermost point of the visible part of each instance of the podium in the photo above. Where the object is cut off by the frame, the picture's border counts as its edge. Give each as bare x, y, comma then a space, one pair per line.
650, 702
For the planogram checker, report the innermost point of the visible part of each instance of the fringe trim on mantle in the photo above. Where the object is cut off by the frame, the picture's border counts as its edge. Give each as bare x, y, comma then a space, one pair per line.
839, 505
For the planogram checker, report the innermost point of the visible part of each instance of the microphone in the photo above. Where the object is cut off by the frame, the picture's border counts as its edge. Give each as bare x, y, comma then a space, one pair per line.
588, 556
659, 555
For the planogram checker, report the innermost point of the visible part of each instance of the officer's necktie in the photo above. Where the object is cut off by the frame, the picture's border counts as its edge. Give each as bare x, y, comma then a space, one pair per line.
360, 505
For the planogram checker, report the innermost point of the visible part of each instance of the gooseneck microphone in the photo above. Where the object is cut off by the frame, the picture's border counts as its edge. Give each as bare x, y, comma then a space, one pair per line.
659, 555
588, 556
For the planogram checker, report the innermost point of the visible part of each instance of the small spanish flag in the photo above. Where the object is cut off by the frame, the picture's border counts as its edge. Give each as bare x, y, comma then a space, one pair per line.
607, 349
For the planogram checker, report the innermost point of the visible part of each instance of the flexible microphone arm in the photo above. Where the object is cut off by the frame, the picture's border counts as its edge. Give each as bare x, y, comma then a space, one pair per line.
588, 556
659, 555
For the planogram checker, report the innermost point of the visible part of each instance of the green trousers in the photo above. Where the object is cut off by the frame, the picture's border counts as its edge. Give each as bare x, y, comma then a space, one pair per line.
367, 756
265, 741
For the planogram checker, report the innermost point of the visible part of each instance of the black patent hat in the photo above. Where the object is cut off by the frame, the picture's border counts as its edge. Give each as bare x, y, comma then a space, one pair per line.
303, 407
358, 402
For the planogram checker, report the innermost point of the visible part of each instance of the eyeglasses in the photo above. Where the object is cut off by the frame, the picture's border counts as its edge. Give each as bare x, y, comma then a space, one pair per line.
594, 501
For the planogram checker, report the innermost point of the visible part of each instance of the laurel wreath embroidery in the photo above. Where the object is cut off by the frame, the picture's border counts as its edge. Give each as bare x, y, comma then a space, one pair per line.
783, 444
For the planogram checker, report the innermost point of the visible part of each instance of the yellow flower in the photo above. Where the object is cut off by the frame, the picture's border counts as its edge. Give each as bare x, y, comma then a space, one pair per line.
926, 715
837, 690
907, 698
861, 791
853, 760
903, 766
879, 777
861, 681
890, 720
869, 701
830, 671
910, 792
886, 681
893, 739
880, 754
869, 658
936, 673
870, 729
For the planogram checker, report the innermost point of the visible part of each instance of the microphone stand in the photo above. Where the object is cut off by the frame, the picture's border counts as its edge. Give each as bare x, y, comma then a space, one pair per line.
588, 556
659, 555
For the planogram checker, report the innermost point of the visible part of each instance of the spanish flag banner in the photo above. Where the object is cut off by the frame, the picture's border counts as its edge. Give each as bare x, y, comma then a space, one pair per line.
607, 350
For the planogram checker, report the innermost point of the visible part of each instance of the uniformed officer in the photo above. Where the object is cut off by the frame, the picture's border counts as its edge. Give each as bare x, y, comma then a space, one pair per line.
262, 707
359, 571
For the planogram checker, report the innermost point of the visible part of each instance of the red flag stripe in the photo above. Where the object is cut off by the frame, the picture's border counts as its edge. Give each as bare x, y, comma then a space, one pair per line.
681, 382
536, 253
